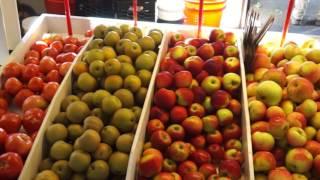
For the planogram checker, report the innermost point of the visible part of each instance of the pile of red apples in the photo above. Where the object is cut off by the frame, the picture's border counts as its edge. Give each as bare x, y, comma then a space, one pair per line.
284, 108
27, 90
194, 129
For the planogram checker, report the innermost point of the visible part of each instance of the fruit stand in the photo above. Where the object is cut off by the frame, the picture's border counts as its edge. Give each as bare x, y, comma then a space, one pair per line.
178, 92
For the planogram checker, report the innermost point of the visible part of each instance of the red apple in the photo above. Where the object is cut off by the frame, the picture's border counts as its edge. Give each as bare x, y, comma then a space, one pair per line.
215, 137
13, 85
186, 167
231, 51
154, 125
232, 131
30, 71
39, 46
262, 126
150, 163
196, 42
210, 123
220, 99
178, 114
235, 106
193, 125
231, 168
196, 109
176, 132
207, 169
194, 64
165, 98
194, 176
199, 94
183, 79
230, 38
264, 161
12, 69
160, 139
176, 38
164, 175
200, 157
216, 35
232, 64
157, 113
216, 151
218, 47
179, 151
49, 51
199, 142
184, 96
164, 79
313, 147
214, 66
205, 51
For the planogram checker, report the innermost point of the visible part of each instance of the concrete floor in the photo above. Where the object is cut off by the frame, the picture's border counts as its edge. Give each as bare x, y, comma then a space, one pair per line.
279, 7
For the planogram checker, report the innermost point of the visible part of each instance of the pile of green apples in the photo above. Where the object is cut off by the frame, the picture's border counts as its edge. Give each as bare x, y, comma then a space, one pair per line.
91, 137
284, 108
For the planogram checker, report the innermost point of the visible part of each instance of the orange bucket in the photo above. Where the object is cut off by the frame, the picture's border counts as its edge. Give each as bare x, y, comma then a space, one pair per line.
212, 12
57, 6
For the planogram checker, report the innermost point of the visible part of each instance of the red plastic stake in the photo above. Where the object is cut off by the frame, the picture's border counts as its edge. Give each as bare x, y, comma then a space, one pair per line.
200, 18
287, 22
135, 11
68, 14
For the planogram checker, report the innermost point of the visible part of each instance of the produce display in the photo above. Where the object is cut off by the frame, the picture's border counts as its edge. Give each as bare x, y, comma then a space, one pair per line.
27, 90
283, 93
91, 137
194, 129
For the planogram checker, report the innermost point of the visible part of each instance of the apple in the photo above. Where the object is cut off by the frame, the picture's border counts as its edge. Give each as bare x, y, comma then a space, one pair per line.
186, 167
154, 125
192, 50
183, 79
233, 144
269, 93
216, 35
261, 126
211, 84
231, 168
194, 176
262, 141
196, 109
297, 176
193, 125
261, 61
160, 139
176, 38
313, 147
310, 132
150, 163
216, 151
176, 176
252, 89
165, 98
277, 55
315, 120
199, 94
231, 51
220, 99
274, 111
296, 137
299, 89
308, 108
199, 142
287, 106
214, 66
210, 123
218, 47
225, 116
201, 76
231, 81
164, 79
194, 64
235, 106
178, 151
232, 64
234, 154
196, 42
208, 105
179, 54
257, 110
164, 175
276, 76
200, 157
299, 160
280, 173
232, 131
215, 137
184, 96
278, 127
169, 165
263, 161
296, 119
310, 71
259, 73
176, 132
230, 38
207, 169
157, 113
178, 114
205, 51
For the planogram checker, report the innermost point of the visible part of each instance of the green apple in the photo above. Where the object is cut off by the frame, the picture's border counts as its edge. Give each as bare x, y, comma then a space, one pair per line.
225, 116
96, 68
211, 84
269, 92
308, 108
262, 141
296, 137
310, 132
231, 81
299, 160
